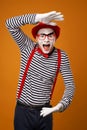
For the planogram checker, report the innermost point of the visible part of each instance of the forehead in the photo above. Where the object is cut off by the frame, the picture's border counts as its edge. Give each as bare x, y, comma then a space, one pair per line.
45, 30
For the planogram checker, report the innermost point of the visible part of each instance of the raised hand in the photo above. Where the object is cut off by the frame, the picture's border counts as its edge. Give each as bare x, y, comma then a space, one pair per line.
48, 17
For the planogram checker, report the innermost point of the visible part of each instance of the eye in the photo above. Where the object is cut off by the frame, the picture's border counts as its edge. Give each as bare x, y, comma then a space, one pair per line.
42, 35
51, 35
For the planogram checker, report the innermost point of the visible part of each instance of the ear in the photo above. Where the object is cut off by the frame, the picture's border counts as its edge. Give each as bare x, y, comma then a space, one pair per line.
36, 38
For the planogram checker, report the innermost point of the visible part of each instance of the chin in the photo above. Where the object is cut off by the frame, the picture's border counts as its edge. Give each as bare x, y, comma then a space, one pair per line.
47, 52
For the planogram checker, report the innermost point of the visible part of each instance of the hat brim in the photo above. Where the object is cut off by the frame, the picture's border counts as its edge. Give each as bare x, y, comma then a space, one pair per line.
42, 25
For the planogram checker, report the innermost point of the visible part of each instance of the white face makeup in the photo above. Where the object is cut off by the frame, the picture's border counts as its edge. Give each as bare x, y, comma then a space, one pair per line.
46, 38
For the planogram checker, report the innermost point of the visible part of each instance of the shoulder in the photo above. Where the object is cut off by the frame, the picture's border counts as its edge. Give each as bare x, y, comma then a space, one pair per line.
63, 53
64, 57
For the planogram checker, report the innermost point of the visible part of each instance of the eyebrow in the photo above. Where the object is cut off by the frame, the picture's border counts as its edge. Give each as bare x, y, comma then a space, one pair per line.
46, 34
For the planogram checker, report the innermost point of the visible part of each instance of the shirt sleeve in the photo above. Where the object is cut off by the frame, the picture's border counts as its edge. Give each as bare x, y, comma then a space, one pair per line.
14, 26
66, 72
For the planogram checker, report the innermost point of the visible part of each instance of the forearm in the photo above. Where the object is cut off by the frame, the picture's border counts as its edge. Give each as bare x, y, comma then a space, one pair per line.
68, 82
17, 21
68, 96
13, 24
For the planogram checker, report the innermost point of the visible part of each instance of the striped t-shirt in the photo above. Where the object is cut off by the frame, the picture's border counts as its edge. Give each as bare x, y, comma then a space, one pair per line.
42, 70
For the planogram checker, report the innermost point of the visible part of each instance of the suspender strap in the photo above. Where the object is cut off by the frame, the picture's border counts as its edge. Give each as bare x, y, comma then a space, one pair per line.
58, 67
25, 72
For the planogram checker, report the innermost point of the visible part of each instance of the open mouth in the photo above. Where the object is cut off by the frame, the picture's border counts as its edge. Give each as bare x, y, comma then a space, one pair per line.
46, 47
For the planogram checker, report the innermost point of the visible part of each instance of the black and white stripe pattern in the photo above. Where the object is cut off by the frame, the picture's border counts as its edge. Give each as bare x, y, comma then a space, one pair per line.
42, 71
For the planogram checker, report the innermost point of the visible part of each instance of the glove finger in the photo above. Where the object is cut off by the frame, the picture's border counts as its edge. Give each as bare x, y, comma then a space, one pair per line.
54, 13
54, 17
41, 114
59, 16
59, 19
51, 13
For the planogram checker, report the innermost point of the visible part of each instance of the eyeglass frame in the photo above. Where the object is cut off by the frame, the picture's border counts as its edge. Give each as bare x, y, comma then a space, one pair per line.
46, 35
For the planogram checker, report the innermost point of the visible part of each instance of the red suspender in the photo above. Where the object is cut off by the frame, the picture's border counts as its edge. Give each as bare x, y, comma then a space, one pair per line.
59, 62
25, 72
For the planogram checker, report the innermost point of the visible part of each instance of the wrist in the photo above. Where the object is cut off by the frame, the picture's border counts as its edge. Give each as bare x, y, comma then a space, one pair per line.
59, 107
37, 18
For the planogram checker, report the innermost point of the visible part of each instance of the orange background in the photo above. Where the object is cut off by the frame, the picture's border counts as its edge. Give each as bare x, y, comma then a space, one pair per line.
72, 40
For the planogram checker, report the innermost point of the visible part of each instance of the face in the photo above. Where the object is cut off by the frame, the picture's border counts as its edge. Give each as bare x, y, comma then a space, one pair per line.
46, 38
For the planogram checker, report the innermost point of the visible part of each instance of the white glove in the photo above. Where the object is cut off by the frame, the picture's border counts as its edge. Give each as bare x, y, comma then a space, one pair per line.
48, 17
46, 110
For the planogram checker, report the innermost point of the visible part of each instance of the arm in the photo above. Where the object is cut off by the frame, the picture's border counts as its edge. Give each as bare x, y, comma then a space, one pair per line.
68, 81
69, 88
14, 26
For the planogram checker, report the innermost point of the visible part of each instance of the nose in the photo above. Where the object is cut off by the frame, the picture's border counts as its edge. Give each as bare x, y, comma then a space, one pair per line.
46, 38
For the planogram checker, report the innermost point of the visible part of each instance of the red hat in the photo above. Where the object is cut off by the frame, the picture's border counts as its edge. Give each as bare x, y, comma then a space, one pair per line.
44, 25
